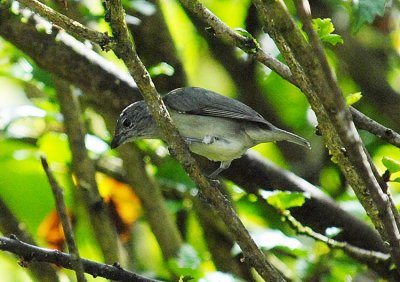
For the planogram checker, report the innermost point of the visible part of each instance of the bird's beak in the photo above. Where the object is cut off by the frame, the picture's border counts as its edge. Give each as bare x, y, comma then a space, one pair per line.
116, 141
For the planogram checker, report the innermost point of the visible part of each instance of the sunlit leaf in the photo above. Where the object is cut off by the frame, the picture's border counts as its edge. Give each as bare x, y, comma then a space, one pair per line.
271, 239
324, 29
353, 98
162, 69
392, 165
283, 200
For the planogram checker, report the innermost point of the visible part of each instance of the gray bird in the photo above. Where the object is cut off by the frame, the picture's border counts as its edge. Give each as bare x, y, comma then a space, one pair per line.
214, 126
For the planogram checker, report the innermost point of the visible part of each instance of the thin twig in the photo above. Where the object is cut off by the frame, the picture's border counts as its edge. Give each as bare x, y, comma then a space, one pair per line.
126, 51
227, 34
74, 28
29, 253
363, 255
65, 222
223, 32
364, 122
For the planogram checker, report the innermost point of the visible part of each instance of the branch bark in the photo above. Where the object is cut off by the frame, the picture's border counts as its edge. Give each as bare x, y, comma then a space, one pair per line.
9, 224
84, 171
74, 28
125, 50
368, 124
106, 83
307, 62
28, 253
108, 90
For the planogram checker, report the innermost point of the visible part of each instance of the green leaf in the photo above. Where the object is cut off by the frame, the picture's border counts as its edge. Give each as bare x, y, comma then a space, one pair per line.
397, 179
353, 98
283, 200
244, 32
187, 263
366, 11
251, 45
324, 29
392, 165
161, 69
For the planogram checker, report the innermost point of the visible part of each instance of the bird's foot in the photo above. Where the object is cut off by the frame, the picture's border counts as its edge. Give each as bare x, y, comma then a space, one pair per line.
214, 182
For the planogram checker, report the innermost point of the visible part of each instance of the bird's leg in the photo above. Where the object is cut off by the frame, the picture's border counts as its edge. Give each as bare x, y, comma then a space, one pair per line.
224, 165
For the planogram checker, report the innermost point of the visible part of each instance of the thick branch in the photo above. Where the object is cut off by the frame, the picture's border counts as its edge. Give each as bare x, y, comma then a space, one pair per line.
29, 253
69, 60
84, 170
126, 51
333, 102
103, 83
334, 119
154, 205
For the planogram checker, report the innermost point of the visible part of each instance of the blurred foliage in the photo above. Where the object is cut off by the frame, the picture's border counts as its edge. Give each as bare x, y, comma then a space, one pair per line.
30, 125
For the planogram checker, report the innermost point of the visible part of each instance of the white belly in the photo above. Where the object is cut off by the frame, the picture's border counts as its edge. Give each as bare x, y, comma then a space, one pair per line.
229, 141
219, 150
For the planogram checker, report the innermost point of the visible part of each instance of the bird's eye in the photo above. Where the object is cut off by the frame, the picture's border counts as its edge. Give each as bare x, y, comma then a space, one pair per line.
126, 123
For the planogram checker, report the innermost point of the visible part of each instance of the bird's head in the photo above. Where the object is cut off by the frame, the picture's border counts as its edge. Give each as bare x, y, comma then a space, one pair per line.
135, 122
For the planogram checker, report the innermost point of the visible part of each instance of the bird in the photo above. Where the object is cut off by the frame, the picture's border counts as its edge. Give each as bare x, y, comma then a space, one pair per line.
212, 125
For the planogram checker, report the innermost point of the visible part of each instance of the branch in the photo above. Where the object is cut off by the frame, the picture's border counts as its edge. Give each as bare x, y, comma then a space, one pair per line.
365, 256
125, 50
9, 224
340, 117
368, 124
154, 205
84, 171
66, 224
108, 91
334, 118
103, 83
74, 28
69, 59
29, 253
247, 44
226, 34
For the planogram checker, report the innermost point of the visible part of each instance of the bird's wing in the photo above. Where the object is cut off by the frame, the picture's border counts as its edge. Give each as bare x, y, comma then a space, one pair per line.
199, 101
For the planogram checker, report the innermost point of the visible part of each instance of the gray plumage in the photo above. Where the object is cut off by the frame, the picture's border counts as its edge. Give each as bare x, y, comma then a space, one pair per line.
214, 126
